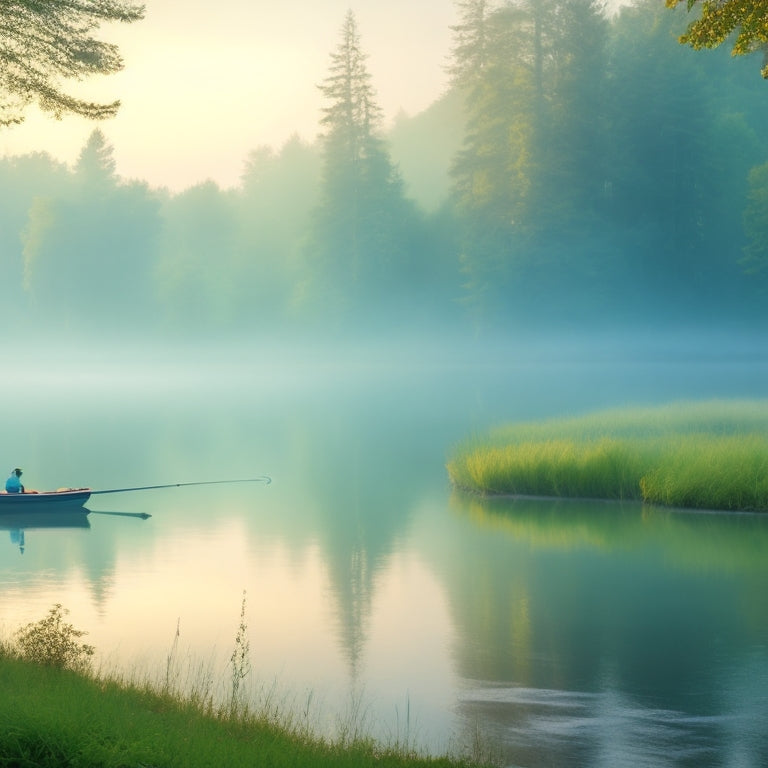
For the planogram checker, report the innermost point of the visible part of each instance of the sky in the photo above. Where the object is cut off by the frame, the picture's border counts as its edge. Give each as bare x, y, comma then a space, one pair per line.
206, 83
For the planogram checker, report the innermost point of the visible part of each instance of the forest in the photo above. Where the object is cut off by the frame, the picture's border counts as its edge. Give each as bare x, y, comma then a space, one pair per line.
581, 171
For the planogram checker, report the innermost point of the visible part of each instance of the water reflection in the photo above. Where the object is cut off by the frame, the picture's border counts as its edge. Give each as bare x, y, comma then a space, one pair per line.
574, 634
602, 634
137, 515
19, 523
553, 727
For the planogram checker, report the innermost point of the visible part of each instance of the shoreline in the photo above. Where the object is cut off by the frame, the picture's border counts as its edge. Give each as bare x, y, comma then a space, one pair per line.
709, 455
599, 500
53, 717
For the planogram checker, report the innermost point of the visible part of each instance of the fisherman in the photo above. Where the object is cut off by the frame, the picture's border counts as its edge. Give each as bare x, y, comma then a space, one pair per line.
13, 483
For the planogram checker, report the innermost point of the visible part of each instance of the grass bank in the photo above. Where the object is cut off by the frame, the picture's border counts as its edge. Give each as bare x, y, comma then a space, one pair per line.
703, 455
56, 712
57, 718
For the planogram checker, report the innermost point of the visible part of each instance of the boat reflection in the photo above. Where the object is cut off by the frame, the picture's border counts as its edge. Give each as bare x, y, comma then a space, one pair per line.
18, 523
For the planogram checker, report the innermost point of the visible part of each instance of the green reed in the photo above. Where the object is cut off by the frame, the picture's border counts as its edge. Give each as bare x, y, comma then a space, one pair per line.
710, 455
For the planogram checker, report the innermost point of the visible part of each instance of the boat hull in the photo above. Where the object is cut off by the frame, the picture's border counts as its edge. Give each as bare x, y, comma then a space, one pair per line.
51, 501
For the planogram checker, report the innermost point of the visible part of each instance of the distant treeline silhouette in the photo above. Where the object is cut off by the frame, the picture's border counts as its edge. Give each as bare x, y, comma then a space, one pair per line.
581, 170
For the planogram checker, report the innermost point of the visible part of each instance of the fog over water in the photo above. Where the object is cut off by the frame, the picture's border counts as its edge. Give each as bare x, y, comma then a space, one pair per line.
568, 216
608, 634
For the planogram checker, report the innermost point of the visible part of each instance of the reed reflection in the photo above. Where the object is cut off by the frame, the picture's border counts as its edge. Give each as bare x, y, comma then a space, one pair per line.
570, 614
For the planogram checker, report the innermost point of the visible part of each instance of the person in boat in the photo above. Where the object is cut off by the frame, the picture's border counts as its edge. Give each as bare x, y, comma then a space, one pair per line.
13, 483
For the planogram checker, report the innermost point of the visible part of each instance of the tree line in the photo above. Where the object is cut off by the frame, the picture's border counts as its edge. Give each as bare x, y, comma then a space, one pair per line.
600, 174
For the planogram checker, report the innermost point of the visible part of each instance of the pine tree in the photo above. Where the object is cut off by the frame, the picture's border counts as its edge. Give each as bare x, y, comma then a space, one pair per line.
361, 227
470, 50
530, 167
42, 43
492, 173
755, 258
96, 165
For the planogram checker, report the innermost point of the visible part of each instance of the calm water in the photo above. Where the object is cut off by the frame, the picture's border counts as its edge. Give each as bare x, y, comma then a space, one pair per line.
563, 634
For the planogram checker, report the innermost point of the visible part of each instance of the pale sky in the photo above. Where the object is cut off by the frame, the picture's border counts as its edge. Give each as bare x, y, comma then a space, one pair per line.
205, 83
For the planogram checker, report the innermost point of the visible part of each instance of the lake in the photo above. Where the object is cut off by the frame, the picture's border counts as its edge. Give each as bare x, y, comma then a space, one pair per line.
548, 633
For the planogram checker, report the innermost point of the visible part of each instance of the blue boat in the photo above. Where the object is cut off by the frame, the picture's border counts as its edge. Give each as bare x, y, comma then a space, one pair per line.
63, 499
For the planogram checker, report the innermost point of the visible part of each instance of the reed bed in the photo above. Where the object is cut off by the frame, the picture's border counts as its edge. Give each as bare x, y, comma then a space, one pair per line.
704, 455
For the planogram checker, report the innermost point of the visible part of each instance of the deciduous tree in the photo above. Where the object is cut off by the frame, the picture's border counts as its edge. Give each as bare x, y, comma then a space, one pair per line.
719, 19
95, 239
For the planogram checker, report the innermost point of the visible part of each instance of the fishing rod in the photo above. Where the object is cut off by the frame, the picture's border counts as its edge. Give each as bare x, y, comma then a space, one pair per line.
261, 479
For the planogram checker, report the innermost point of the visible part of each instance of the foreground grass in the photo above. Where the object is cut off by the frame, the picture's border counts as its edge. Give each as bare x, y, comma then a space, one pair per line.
56, 712
60, 718
705, 455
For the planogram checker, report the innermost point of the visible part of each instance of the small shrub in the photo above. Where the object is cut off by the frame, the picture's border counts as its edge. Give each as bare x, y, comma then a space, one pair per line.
53, 642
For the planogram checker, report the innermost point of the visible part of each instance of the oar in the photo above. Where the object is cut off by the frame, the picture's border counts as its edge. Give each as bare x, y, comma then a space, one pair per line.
262, 479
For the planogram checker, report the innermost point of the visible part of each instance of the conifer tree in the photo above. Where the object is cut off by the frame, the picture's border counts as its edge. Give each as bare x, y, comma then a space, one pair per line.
470, 50
492, 172
530, 167
755, 258
96, 163
43, 42
361, 224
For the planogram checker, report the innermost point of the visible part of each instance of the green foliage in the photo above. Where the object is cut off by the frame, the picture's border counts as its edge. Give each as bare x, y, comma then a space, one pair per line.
95, 167
273, 216
587, 167
94, 238
533, 160
54, 642
55, 718
580, 167
755, 258
700, 471
359, 248
704, 455
196, 274
717, 417
42, 43
746, 20
606, 468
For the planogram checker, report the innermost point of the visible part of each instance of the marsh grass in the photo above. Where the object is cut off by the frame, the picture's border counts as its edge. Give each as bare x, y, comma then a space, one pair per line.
68, 715
711, 455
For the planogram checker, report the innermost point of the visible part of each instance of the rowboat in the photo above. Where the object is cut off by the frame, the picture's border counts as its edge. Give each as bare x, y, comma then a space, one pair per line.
75, 498
63, 499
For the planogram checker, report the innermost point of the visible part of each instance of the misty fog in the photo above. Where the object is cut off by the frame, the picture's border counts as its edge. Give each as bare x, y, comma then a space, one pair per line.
629, 198
578, 222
